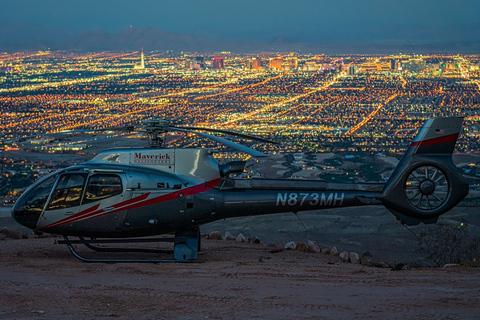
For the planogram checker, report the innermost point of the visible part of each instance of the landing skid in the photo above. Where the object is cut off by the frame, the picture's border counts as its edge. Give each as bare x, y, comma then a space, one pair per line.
186, 247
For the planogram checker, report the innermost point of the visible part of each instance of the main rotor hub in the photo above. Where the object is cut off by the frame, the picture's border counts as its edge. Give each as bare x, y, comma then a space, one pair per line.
156, 130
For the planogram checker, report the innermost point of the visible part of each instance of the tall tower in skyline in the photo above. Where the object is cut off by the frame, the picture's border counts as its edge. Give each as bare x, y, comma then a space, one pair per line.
141, 65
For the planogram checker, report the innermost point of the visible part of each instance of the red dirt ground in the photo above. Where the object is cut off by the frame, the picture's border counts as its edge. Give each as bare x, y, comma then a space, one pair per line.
42, 280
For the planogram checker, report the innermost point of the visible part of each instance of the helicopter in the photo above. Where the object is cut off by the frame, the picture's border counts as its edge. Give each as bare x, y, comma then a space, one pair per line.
125, 195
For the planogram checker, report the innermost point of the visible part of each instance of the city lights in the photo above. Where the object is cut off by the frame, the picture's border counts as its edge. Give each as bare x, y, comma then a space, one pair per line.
308, 103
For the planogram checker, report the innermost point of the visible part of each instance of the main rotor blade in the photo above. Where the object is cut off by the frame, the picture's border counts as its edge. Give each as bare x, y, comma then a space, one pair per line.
228, 143
230, 132
124, 128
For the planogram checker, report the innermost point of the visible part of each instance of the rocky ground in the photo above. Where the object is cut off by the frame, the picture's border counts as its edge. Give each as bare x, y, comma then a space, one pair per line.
40, 279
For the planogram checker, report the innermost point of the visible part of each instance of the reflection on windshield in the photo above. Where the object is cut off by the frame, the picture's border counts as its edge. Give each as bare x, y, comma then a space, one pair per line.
28, 208
68, 191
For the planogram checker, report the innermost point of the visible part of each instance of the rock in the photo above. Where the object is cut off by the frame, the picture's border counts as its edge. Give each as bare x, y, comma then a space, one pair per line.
334, 251
450, 265
240, 238
6, 233
253, 240
228, 236
301, 247
344, 255
276, 250
398, 267
215, 235
290, 246
354, 258
325, 251
312, 246
367, 259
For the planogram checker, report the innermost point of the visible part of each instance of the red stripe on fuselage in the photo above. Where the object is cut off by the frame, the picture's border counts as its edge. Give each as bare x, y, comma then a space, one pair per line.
133, 200
71, 218
444, 139
92, 212
135, 203
119, 207
186, 192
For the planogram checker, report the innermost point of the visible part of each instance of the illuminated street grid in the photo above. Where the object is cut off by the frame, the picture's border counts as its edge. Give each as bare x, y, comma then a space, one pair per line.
310, 103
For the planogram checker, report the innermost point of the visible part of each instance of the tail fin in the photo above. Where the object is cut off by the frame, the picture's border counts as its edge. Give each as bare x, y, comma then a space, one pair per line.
426, 183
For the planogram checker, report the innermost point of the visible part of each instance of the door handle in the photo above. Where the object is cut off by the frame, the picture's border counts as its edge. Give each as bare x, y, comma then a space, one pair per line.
68, 213
108, 209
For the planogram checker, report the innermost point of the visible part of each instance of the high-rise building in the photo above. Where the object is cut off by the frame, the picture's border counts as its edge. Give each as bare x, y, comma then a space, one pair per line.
195, 63
199, 63
384, 66
218, 63
393, 64
450, 66
292, 62
275, 63
310, 66
351, 70
256, 63
414, 65
369, 67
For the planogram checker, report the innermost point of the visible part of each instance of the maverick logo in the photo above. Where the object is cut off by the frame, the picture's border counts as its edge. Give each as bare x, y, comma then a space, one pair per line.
152, 159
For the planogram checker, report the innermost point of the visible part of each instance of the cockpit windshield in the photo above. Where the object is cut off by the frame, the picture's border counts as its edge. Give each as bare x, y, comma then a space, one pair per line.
30, 205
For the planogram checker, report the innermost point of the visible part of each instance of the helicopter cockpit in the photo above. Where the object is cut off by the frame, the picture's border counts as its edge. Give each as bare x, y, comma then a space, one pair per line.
64, 191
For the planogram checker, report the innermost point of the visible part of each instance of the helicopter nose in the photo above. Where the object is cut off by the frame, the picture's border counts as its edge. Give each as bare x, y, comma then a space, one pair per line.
25, 216
29, 206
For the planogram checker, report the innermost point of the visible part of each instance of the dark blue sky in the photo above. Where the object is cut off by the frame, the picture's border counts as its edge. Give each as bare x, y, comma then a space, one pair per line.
301, 20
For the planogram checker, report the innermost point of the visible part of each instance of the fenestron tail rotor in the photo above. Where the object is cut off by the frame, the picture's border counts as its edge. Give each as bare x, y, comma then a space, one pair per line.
426, 183
426, 187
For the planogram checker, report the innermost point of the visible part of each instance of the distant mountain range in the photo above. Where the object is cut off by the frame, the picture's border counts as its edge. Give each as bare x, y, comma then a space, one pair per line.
16, 36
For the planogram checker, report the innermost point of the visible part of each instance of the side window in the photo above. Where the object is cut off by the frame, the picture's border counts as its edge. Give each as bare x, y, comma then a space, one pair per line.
68, 191
102, 186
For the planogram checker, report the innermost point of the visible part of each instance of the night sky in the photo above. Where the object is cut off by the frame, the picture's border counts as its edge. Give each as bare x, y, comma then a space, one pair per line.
304, 20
